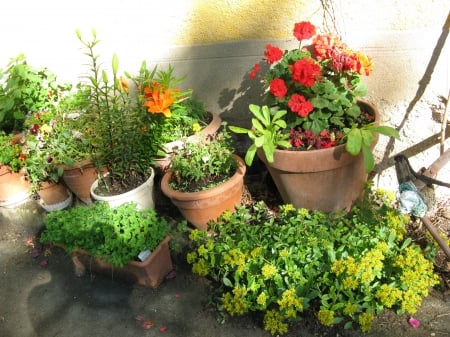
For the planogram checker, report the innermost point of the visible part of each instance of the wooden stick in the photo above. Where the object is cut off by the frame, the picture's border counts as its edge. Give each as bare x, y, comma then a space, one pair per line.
444, 124
434, 232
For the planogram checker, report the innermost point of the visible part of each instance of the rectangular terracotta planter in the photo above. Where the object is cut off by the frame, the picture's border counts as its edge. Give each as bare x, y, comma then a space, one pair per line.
149, 273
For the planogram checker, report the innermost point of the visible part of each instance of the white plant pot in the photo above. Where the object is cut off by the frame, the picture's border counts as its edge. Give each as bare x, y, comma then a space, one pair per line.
141, 195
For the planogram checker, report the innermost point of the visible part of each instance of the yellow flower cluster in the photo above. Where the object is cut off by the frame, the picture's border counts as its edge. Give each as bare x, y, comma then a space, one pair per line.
363, 271
262, 299
325, 317
284, 253
365, 321
397, 222
268, 271
200, 267
273, 322
417, 276
290, 303
236, 258
350, 308
196, 127
234, 302
388, 295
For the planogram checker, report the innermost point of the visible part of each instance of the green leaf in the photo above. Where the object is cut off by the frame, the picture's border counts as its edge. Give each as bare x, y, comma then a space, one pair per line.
258, 112
238, 129
226, 281
369, 161
384, 130
367, 137
319, 102
250, 155
354, 111
354, 142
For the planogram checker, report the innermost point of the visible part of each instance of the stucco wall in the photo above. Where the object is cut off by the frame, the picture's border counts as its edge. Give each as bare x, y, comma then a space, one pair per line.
216, 42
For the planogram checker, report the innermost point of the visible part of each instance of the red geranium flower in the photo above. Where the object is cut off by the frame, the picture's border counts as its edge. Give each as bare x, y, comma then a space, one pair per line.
278, 88
305, 71
304, 30
272, 54
300, 105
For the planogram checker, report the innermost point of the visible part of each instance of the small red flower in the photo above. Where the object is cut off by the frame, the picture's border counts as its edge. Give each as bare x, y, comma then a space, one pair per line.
305, 71
300, 105
272, 54
278, 87
34, 129
304, 30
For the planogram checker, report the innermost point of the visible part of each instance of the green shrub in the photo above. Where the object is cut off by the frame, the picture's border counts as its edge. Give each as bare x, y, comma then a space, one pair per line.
344, 268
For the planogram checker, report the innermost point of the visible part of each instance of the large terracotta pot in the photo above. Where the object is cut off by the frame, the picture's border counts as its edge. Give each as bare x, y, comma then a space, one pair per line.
326, 180
148, 273
141, 195
80, 178
163, 163
14, 188
201, 207
54, 196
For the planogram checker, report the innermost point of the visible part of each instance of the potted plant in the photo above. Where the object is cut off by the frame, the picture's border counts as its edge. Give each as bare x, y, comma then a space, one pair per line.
24, 89
317, 126
205, 179
29, 100
129, 116
14, 187
70, 147
185, 121
341, 268
122, 241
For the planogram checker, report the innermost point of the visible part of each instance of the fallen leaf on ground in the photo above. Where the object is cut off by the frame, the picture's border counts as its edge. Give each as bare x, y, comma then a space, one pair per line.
147, 324
35, 252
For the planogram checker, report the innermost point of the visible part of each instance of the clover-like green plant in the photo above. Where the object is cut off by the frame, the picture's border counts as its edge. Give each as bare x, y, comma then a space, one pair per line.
117, 235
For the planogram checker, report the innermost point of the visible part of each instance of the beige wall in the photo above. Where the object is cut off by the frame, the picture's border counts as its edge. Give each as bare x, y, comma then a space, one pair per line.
216, 42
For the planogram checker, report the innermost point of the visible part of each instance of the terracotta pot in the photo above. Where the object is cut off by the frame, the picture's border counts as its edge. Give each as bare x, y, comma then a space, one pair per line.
326, 180
163, 163
141, 195
80, 178
201, 207
149, 273
54, 196
14, 188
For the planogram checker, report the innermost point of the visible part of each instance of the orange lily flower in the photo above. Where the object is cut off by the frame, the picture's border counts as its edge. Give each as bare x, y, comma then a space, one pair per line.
158, 100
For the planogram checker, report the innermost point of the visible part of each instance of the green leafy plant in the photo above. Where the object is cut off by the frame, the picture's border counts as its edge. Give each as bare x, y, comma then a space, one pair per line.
117, 235
11, 150
24, 89
129, 117
201, 165
318, 88
345, 269
265, 133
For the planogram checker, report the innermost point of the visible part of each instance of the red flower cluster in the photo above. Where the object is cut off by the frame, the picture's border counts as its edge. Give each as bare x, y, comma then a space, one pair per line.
315, 85
307, 139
